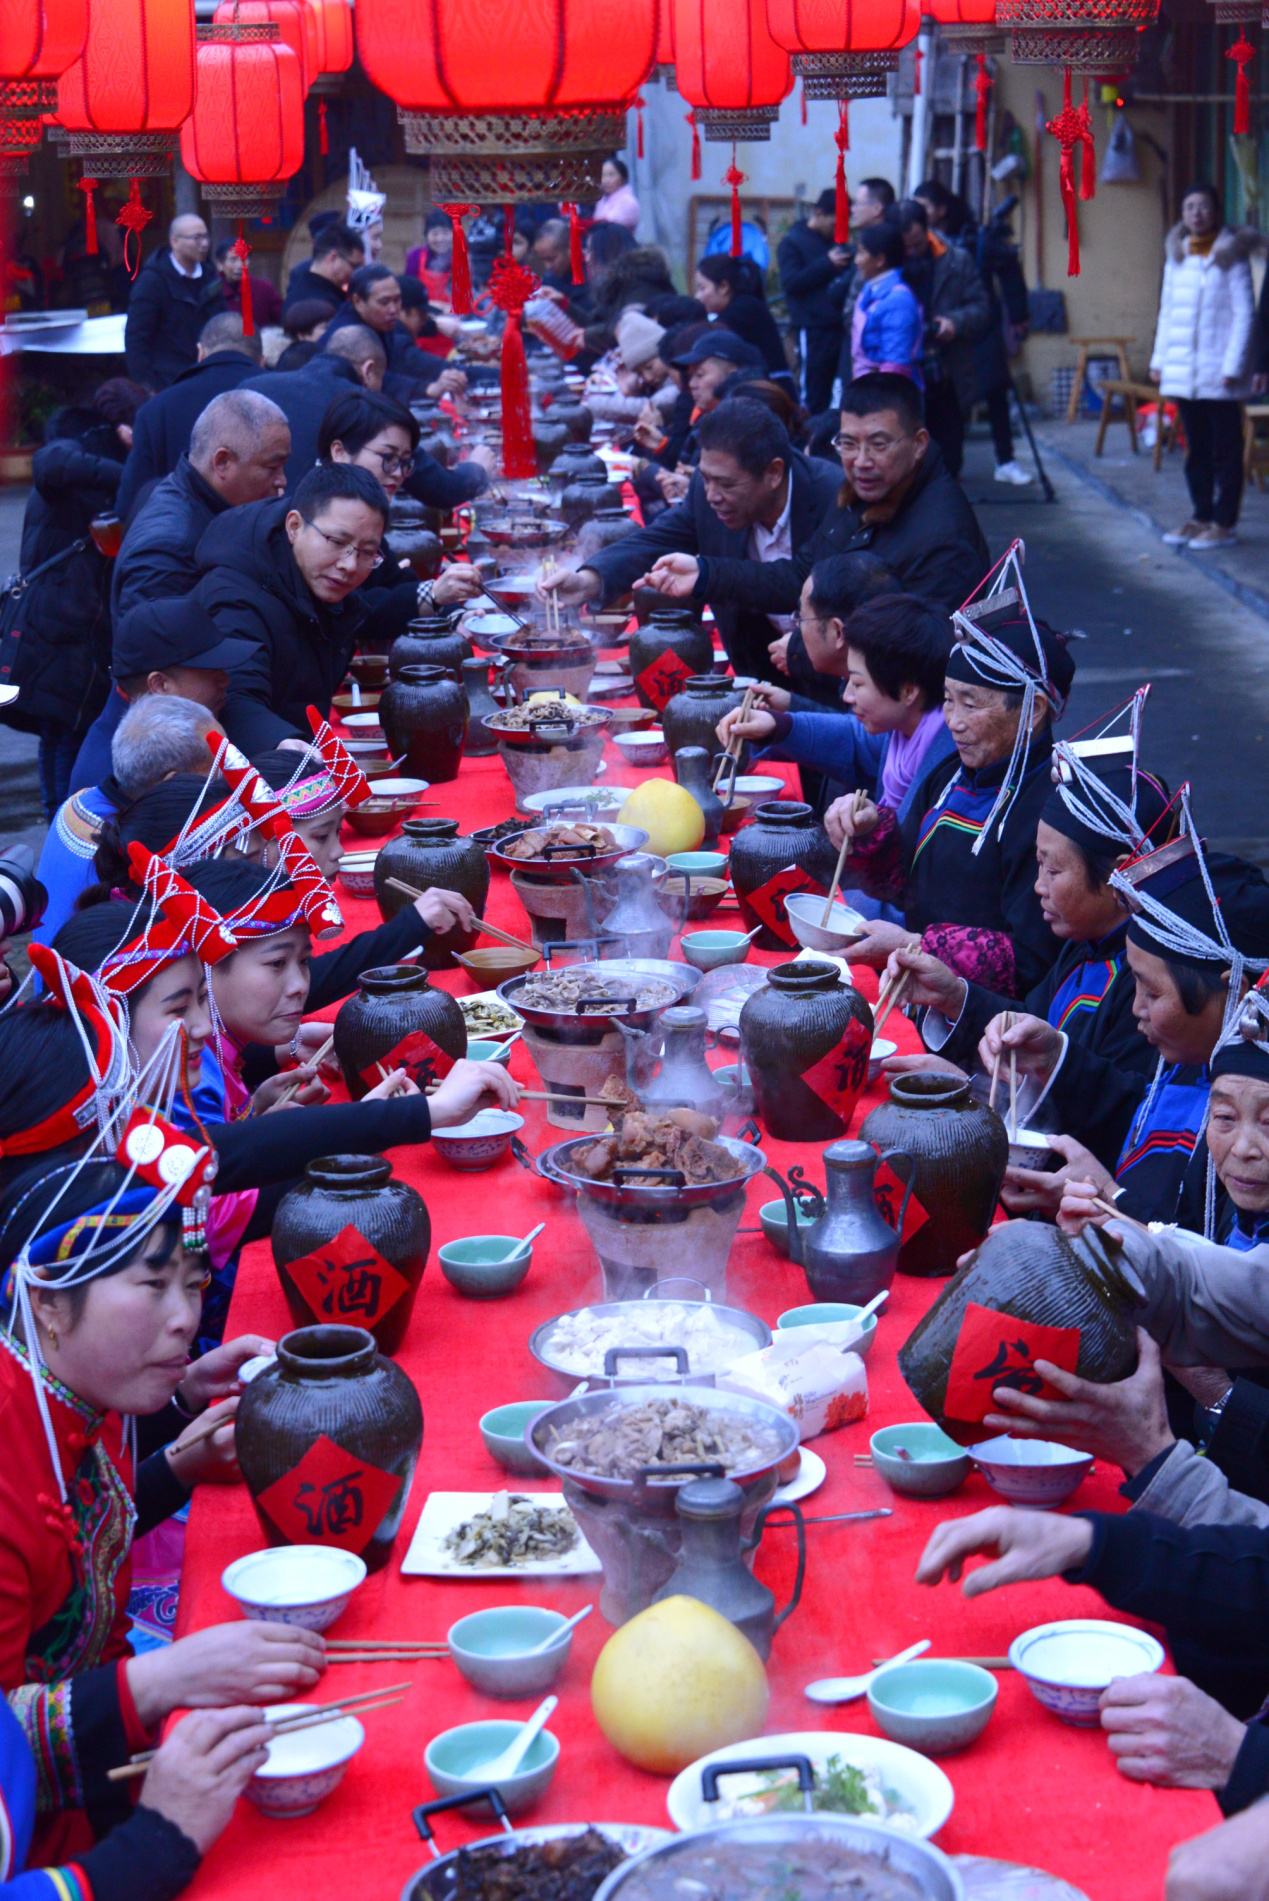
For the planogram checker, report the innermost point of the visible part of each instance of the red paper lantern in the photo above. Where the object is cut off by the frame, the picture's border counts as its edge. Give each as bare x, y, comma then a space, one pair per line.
245, 136
294, 19
729, 69
843, 49
510, 100
334, 34
39, 39
967, 26
1090, 36
120, 106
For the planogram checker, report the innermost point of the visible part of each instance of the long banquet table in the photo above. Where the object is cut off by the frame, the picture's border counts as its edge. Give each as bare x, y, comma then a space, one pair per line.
1031, 1790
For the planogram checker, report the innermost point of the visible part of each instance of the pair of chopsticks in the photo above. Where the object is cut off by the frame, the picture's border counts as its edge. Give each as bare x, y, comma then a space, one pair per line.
1013, 1081
552, 599
984, 1663
730, 759
382, 1650
363, 1705
887, 999
293, 1089
487, 929
856, 799
549, 1095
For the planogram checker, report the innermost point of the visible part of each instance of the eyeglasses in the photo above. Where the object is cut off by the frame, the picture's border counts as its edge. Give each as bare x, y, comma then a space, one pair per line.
361, 557
394, 464
806, 620
875, 445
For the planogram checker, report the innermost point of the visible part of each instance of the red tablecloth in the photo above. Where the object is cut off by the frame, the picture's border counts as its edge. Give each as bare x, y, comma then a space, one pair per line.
1030, 1790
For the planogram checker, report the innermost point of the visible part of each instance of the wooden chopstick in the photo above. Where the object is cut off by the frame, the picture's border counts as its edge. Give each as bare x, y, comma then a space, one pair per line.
387, 1656
208, 1429
984, 1663
387, 1643
362, 1705
549, 1095
997, 1059
892, 997
293, 1089
734, 744
837, 878
505, 937
1013, 1095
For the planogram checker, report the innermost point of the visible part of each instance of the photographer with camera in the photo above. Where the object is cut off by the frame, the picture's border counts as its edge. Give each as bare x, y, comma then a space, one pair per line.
957, 312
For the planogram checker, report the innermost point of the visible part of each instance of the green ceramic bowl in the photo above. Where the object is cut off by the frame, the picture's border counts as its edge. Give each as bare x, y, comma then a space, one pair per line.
491, 1649
503, 1432
453, 1760
702, 864
823, 1313
708, 950
935, 1464
774, 1223
933, 1704
477, 1265
481, 1051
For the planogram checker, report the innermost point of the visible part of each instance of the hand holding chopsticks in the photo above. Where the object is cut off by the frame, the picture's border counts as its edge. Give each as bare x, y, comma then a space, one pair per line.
311, 1717
847, 841
887, 999
487, 929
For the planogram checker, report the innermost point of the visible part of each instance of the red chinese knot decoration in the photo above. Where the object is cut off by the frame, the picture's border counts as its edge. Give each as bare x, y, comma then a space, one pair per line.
982, 92
1242, 52
841, 201
735, 178
132, 220
1072, 128
728, 67
510, 288
460, 263
245, 136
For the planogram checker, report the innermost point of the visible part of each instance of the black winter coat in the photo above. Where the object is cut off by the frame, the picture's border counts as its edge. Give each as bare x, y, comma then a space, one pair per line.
949, 285
166, 312
157, 560
64, 649
253, 590
806, 271
304, 396
164, 425
305, 285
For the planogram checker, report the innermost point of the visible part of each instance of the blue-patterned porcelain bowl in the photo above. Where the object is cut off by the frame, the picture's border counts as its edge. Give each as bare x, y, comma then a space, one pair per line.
304, 1585
1067, 1665
305, 1766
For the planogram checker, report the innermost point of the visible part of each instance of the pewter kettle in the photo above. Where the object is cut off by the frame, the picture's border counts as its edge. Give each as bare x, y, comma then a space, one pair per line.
636, 918
849, 1251
682, 1078
711, 1562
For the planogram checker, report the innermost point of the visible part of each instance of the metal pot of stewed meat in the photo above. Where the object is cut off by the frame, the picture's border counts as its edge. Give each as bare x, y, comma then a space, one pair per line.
559, 1861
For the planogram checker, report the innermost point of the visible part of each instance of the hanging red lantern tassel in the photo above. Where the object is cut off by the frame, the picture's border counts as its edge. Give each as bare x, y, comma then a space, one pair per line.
323, 135
88, 186
841, 207
696, 145
510, 288
1068, 132
243, 250
916, 73
982, 92
133, 219
508, 227
1088, 156
802, 95
576, 260
1242, 52
460, 263
639, 103
735, 179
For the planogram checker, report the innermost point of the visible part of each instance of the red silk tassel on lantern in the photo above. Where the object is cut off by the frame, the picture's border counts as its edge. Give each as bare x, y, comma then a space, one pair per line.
323, 135
243, 250
916, 73
1088, 157
1242, 52
576, 260
735, 179
510, 288
88, 186
1068, 130
802, 94
133, 219
982, 92
508, 227
460, 263
841, 205
639, 103
696, 145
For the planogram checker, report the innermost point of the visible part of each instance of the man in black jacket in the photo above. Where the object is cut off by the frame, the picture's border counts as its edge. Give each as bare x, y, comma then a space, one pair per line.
283, 578
374, 299
350, 358
176, 293
164, 425
323, 278
809, 260
753, 499
953, 298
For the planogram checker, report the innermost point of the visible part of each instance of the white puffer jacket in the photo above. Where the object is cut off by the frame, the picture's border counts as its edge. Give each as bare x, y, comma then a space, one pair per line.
1207, 317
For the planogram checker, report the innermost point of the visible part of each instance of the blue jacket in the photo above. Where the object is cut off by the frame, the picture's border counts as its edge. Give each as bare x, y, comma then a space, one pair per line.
892, 325
66, 866
837, 745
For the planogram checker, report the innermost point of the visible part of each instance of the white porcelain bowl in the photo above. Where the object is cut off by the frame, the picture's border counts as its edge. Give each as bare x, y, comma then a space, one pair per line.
647, 748
305, 1766
1029, 1148
919, 1786
399, 788
357, 873
364, 725
882, 1050
307, 1585
805, 909
479, 1143
1067, 1665
1033, 1472
759, 785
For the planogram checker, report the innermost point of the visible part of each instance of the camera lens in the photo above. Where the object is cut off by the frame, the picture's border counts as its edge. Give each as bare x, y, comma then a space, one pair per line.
23, 899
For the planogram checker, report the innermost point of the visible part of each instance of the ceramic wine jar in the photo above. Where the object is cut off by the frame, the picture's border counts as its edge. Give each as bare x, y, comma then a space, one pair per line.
327, 1439
671, 646
692, 769
431, 641
781, 833
395, 1019
423, 713
805, 1038
426, 852
350, 1243
961, 1148
691, 717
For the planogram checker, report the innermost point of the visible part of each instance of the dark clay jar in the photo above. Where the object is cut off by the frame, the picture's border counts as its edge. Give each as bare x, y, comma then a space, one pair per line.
671, 646
1035, 1274
328, 1438
574, 461
548, 439
575, 417
782, 832
424, 716
961, 1149
396, 1018
350, 1244
426, 852
805, 1038
691, 717
430, 642
580, 498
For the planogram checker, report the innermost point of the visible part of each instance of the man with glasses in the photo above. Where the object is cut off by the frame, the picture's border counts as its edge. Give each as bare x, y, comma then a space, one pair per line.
284, 577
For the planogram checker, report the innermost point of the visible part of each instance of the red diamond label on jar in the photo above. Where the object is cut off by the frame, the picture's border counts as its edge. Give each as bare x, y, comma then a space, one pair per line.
889, 1191
767, 902
330, 1498
424, 1061
838, 1078
662, 678
998, 1350
347, 1279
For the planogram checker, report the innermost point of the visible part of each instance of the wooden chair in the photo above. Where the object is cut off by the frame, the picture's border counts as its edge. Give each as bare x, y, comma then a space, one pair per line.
1130, 395
1256, 445
1096, 346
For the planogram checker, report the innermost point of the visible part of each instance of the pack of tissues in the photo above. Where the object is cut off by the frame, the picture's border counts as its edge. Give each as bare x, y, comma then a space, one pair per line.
810, 1373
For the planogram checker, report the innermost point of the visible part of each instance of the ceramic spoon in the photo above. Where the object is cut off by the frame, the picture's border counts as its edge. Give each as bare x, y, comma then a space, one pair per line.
558, 1636
847, 1689
517, 1749
520, 1246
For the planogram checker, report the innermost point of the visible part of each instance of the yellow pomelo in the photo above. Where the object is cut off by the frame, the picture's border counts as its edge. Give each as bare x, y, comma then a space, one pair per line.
675, 1682
554, 698
667, 813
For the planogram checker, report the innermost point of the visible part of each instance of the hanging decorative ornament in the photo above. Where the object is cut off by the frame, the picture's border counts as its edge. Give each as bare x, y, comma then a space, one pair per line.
89, 186
968, 27
323, 130
843, 49
295, 20
1086, 35
243, 250
334, 34
802, 99
133, 217
1242, 52
982, 93
245, 136
576, 256
1071, 131
1088, 157
510, 288
639, 103
122, 116
460, 263
729, 68
734, 177
533, 123
696, 144
841, 199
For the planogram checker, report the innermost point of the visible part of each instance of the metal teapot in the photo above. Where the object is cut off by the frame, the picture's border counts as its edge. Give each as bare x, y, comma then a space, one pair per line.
682, 1078
711, 1562
850, 1250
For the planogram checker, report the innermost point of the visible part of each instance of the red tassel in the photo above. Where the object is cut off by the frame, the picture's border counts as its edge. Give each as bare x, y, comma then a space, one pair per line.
323, 135
802, 90
916, 74
982, 90
88, 186
1088, 156
508, 227
841, 138
735, 179
243, 250
1242, 52
133, 219
576, 260
460, 264
696, 145
639, 103
510, 288
1068, 132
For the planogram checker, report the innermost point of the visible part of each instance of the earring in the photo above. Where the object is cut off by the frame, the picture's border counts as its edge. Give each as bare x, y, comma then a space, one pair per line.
52, 1337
